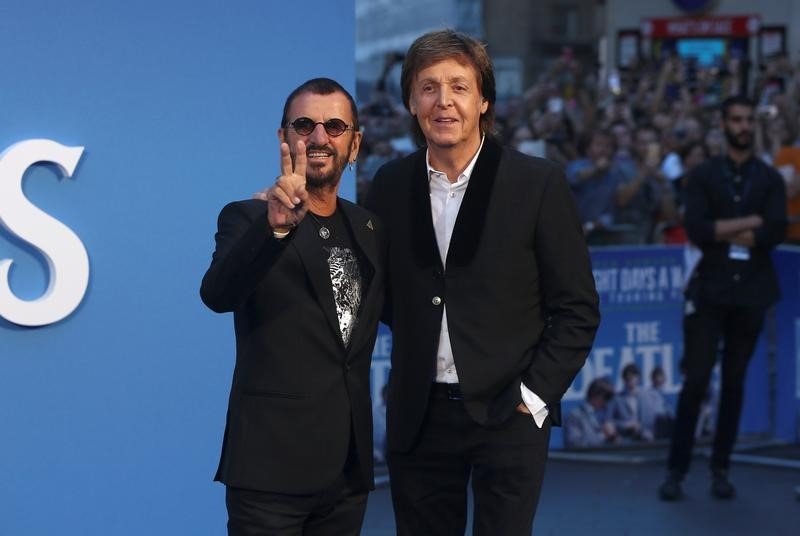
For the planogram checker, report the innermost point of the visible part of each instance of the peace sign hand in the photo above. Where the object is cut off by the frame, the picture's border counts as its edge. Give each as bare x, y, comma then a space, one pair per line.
287, 198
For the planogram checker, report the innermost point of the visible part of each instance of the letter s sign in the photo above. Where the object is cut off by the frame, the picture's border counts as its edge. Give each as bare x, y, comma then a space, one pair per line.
66, 255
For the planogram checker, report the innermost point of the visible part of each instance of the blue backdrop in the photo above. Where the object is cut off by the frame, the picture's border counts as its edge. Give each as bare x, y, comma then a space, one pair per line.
787, 331
111, 420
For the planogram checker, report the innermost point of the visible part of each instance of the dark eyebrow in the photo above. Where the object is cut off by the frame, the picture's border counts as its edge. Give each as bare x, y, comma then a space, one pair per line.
458, 78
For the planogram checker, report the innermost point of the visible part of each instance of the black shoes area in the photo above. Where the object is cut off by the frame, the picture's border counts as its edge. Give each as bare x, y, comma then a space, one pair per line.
721, 487
671, 489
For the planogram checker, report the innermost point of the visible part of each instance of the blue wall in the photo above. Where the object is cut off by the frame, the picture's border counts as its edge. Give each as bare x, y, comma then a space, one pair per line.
111, 420
787, 363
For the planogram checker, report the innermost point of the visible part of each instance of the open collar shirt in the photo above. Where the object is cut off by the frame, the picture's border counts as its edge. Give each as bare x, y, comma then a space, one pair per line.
446, 198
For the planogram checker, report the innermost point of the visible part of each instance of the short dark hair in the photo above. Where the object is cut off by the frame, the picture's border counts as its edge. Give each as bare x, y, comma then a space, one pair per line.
319, 86
684, 151
600, 387
655, 372
629, 369
441, 45
736, 100
586, 139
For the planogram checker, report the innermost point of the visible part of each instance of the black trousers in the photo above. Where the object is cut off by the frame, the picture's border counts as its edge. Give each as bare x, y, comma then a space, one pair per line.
738, 328
505, 463
336, 511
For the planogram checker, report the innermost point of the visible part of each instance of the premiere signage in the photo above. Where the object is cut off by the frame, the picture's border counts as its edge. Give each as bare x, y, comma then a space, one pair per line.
65, 254
712, 26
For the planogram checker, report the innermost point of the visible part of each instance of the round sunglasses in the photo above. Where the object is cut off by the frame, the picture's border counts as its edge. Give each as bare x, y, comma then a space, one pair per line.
334, 127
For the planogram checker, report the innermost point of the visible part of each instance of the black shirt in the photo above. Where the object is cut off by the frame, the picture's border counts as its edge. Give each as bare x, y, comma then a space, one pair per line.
719, 189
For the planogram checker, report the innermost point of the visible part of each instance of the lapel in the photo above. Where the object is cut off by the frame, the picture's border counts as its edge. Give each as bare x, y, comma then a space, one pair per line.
363, 231
364, 236
308, 245
423, 237
471, 216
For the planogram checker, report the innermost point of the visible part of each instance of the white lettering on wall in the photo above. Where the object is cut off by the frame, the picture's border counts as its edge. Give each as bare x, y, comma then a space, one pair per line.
66, 256
640, 343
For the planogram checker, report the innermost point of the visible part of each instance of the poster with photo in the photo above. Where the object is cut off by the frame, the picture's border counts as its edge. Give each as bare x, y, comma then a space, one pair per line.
640, 340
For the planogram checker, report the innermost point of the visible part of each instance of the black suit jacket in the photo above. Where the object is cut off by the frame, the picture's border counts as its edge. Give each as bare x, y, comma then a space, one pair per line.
297, 390
517, 283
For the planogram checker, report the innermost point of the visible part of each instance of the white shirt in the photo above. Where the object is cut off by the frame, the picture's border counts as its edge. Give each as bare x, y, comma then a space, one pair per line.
446, 198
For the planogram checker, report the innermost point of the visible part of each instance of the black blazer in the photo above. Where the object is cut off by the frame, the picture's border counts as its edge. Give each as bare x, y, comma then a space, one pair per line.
297, 391
520, 295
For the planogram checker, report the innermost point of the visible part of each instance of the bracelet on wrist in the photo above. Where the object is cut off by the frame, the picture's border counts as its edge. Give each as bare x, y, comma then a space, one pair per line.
279, 233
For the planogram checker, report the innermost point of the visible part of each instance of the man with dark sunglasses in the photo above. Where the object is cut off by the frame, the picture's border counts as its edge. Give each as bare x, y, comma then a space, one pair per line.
302, 271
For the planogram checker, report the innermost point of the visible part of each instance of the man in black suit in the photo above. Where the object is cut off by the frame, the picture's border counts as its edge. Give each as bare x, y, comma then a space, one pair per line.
303, 275
492, 302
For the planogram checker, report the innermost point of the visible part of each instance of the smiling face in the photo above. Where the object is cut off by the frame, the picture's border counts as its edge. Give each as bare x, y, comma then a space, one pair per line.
327, 155
447, 103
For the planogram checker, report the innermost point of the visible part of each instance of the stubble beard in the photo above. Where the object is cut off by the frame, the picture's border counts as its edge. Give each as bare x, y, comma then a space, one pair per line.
318, 180
741, 142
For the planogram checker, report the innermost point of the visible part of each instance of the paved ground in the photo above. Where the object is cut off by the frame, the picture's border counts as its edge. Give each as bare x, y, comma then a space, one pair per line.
616, 495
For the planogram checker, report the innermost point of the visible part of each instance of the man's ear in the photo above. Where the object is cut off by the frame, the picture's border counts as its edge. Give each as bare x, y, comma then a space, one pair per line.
282, 135
355, 145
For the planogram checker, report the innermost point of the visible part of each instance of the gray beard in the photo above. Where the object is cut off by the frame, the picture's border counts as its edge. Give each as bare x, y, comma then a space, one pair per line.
323, 182
327, 181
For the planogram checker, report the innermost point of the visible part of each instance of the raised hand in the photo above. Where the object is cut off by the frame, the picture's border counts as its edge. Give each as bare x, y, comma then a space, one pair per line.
287, 198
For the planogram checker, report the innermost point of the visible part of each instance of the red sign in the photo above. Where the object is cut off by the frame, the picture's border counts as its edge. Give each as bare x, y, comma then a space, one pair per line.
722, 26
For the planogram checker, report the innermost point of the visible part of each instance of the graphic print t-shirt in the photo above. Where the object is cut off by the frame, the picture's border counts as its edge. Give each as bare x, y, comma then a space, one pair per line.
345, 267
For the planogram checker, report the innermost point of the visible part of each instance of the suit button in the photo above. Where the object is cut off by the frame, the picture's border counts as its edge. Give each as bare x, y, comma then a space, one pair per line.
438, 274
736, 277
436, 300
347, 366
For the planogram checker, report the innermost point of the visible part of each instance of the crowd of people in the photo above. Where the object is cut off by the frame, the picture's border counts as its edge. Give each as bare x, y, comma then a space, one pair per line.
626, 142
632, 415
